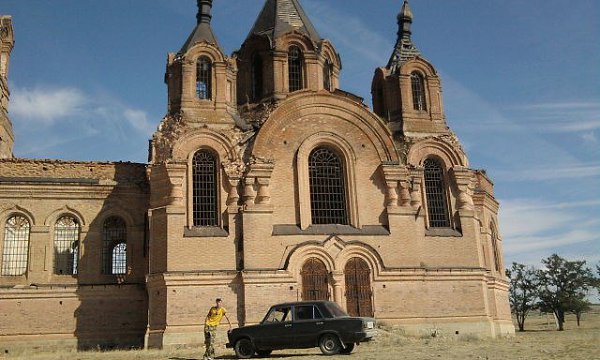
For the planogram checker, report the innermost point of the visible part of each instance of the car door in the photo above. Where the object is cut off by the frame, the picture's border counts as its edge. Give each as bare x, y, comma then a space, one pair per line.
308, 323
276, 330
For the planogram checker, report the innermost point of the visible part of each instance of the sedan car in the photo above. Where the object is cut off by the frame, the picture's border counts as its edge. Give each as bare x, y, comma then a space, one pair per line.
301, 325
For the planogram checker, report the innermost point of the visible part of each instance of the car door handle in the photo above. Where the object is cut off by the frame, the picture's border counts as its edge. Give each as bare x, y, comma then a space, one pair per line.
288, 325
320, 323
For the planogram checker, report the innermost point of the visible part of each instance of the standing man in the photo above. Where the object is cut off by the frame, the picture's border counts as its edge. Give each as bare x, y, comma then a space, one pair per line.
213, 319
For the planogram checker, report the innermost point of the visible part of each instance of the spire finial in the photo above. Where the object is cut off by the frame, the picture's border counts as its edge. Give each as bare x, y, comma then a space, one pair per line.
204, 9
405, 19
404, 49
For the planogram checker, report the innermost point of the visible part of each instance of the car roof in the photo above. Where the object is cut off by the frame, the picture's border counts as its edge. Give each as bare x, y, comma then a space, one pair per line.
294, 303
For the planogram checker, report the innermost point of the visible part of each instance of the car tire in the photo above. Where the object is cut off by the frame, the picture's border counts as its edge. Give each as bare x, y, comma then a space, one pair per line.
263, 353
330, 344
348, 349
244, 349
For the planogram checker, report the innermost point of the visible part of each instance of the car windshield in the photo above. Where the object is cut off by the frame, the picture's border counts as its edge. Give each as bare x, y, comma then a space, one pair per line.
335, 309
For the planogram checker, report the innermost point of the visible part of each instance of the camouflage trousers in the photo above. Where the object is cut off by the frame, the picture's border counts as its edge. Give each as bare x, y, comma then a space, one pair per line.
210, 333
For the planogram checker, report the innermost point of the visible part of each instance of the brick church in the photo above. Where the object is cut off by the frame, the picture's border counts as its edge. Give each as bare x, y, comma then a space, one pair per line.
265, 183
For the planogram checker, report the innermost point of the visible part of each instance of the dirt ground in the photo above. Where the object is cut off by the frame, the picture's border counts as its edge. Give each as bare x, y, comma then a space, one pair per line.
540, 341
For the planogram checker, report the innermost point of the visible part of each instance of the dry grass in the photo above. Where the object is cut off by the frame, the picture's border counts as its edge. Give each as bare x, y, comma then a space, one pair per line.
540, 341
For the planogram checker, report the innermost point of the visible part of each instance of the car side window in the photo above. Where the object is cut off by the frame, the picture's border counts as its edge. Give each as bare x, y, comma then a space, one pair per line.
279, 314
307, 312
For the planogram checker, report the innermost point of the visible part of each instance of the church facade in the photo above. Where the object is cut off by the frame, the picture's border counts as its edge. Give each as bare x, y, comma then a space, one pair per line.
265, 183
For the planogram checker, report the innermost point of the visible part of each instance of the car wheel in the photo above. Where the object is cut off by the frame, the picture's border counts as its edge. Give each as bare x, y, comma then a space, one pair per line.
244, 349
348, 349
263, 353
329, 344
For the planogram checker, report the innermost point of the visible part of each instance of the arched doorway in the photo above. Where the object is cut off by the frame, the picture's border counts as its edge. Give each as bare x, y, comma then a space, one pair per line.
358, 288
314, 280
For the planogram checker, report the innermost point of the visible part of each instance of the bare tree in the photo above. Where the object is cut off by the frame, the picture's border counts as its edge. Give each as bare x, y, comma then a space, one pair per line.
562, 283
523, 291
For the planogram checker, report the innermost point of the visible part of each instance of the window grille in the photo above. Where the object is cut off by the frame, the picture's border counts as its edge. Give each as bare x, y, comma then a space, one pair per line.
327, 73
119, 259
418, 91
66, 246
16, 246
114, 236
436, 194
295, 69
204, 173
257, 77
204, 78
327, 188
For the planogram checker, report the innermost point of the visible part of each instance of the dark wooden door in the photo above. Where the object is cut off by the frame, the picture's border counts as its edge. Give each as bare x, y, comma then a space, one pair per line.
358, 288
314, 280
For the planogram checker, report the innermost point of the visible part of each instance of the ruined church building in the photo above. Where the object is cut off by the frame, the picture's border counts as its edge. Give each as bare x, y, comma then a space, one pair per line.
265, 183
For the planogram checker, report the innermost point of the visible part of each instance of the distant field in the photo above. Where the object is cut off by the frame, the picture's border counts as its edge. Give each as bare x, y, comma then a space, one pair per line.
541, 341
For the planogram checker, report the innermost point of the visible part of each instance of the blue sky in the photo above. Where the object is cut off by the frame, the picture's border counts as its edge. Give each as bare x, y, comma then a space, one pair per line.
521, 89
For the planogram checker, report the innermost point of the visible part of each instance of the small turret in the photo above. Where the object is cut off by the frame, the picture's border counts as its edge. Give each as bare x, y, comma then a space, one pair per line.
407, 91
200, 77
283, 54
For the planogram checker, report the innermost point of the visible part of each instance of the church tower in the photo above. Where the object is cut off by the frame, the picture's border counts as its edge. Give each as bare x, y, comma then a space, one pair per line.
407, 91
7, 42
194, 172
283, 54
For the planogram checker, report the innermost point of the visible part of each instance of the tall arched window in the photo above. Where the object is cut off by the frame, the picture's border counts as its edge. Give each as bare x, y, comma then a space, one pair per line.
16, 246
418, 91
204, 182
435, 190
257, 77
204, 78
114, 246
327, 187
495, 251
66, 245
327, 75
295, 69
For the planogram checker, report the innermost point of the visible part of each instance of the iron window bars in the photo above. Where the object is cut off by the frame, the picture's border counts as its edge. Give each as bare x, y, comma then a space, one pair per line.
15, 251
66, 246
327, 188
437, 207
204, 197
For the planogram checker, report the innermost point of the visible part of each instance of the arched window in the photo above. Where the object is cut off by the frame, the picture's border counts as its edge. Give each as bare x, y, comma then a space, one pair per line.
418, 91
496, 253
257, 77
114, 246
436, 194
204, 182
327, 187
66, 245
295, 69
204, 78
16, 246
327, 75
